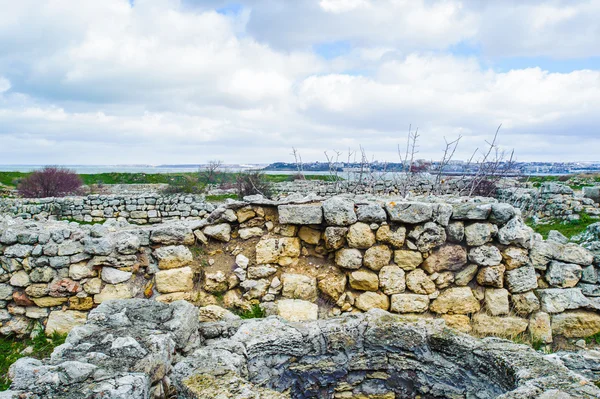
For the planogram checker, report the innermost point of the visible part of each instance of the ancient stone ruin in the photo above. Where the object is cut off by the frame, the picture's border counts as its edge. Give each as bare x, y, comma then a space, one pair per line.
468, 265
140, 349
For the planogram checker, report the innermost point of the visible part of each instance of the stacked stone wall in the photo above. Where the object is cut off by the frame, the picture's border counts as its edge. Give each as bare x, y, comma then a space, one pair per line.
137, 208
475, 264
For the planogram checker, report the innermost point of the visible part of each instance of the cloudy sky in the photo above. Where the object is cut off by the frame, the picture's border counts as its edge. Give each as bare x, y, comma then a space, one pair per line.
187, 81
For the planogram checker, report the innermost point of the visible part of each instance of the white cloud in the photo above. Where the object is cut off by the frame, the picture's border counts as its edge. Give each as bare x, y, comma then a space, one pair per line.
167, 82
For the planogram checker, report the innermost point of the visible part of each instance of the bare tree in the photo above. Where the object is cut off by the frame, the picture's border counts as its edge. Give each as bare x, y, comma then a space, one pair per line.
299, 164
333, 168
449, 152
209, 174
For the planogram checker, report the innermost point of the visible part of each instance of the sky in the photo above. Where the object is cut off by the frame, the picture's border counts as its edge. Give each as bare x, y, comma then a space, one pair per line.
189, 81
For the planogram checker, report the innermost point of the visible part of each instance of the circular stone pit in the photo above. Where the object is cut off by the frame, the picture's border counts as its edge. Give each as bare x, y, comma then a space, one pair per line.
375, 355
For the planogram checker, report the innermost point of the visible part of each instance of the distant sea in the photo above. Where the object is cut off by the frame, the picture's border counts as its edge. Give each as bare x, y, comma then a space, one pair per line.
94, 169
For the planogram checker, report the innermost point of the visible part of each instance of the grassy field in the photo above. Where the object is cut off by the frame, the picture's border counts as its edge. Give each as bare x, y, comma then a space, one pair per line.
12, 178
576, 182
568, 229
11, 349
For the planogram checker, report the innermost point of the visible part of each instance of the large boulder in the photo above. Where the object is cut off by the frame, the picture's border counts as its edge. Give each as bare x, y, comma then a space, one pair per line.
175, 280
220, 232
557, 300
516, 232
63, 321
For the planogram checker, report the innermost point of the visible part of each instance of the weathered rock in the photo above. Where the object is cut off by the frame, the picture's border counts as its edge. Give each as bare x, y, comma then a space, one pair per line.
524, 304
540, 327
339, 211
250, 232
335, 237
171, 257
332, 284
502, 213
515, 257
261, 271
492, 276
244, 214
372, 300
221, 232
119, 291
371, 213
577, 324
464, 277
455, 232
486, 255
364, 280
409, 303
448, 257
360, 236
589, 275
521, 280
392, 280
471, 211
63, 321
173, 280
309, 235
395, 238
299, 286
297, 310
49, 301
496, 301
349, 258
573, 253
557, 300
81, 270
172, 234
563, 275
99, 246
419, 283
215, 282
213, 313
458, 300
377, 257
458, 322
478, 234
20, 279
408, 260
409, 212
498, 326
115, 276
273, 250
517, 233
431, 236
300, 214
543, 252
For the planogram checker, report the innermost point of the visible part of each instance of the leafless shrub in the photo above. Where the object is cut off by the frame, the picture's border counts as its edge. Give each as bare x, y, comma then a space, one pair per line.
493, 165
51, 181
251, 183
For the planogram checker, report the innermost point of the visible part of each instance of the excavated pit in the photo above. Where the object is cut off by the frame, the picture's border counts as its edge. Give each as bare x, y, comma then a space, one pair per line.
377, 355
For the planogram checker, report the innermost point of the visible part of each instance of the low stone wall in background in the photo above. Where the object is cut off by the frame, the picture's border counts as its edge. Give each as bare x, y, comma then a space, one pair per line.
136, 209
551, 201
475, 264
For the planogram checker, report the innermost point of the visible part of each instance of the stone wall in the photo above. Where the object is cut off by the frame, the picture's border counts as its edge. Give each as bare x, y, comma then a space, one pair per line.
473, 263
551, 201
419, 185
137, 208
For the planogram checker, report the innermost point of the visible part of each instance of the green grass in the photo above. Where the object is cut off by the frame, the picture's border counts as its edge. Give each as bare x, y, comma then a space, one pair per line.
567, 228
11, 348
12, 178
255, 312
220, 198
593, 339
